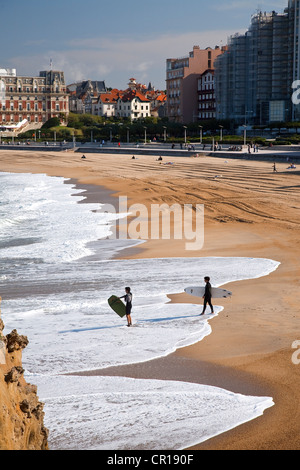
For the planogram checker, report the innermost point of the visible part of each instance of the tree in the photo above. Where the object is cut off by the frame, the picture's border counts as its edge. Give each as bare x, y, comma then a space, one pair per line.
52, 122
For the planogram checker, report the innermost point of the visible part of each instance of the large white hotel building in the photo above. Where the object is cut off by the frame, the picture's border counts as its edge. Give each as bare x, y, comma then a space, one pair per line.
35, 99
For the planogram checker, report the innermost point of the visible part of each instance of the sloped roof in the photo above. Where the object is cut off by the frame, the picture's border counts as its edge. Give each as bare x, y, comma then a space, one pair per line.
108, 97
131, 95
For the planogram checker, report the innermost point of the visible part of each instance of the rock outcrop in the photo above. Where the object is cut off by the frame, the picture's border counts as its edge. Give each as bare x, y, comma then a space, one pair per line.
21, 412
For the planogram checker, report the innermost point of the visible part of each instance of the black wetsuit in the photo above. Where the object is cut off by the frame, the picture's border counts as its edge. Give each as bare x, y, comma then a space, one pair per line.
128, 300
207, 297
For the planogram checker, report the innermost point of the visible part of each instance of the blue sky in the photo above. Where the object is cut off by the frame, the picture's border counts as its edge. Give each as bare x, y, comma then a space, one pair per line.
114, 40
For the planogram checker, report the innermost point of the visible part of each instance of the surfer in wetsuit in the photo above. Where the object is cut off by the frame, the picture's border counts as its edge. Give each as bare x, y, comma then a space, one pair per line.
207, 296
128, 299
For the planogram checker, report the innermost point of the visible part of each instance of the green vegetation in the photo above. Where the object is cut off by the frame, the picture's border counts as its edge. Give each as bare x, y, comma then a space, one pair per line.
87, 128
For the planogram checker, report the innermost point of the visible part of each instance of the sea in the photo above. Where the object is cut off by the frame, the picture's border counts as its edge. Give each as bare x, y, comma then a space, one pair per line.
59, 265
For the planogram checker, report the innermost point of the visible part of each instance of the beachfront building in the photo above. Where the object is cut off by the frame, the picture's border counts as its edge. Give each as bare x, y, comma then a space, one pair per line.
182, 82
83, 95
34, 99
157, 98
206, 96
253, 78
92, 97
133, 105
158, 103
106, 104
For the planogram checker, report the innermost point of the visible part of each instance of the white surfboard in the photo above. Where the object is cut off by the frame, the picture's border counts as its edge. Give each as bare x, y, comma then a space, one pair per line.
216, 292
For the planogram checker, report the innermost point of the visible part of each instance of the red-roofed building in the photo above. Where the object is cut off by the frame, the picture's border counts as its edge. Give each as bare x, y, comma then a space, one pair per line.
136, 102
107, 103
133, 105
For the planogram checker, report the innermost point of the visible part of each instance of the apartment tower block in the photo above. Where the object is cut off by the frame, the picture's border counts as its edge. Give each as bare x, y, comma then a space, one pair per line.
254, 78
182, 82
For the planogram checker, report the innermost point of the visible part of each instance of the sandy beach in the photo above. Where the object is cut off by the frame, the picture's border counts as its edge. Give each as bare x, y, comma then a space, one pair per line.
250, 211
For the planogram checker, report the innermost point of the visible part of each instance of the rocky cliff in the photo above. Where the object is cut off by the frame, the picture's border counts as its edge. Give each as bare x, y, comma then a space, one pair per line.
21, 413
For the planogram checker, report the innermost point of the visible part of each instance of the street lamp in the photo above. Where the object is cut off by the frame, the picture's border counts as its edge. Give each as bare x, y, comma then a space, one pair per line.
127, 135
201, 133
120, 127
145, 134
221, 133
165, 134
245, 134
185, 128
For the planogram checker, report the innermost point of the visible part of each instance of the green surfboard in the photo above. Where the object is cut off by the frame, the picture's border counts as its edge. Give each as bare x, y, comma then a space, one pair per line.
117, 305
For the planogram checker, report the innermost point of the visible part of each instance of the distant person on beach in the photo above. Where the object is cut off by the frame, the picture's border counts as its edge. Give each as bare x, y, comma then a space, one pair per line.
274, 168
207, 296
128, 300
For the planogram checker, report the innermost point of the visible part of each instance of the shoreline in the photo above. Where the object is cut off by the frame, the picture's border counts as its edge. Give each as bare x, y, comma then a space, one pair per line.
246, 342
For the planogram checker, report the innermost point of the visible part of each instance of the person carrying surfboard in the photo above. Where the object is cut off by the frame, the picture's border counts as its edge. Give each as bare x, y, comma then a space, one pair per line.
207, 296
128, 300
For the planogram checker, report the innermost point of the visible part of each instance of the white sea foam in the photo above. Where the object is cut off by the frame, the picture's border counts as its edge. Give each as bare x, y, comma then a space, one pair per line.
59, 300
42, 207
117, 413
